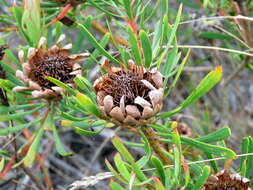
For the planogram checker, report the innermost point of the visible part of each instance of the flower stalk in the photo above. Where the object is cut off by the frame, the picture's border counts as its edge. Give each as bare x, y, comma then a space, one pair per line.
155, 144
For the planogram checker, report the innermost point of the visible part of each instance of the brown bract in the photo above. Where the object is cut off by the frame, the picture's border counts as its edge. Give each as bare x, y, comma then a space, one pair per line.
54, 62
184, 130
227, 181
129, 96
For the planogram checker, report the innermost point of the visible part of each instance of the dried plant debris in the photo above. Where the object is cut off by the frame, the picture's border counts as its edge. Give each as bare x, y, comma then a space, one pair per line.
129, 96
90, 181
227, 181
54, 62
184, 130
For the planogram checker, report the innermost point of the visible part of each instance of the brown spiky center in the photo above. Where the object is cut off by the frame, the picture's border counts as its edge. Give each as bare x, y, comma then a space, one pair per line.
125, 83
53, 63
225, 182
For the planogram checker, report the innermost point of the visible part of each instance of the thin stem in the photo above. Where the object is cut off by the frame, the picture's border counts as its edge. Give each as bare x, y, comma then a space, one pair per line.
214, 48
97, 26
29, 172
155, 144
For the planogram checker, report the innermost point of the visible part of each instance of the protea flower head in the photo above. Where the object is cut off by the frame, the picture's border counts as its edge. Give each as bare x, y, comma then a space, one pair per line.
226, 181
54, 62
129, 96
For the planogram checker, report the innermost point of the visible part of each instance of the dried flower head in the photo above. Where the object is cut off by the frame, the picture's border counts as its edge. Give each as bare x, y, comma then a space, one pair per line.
227, 181
54, 62
129, 96
184, 130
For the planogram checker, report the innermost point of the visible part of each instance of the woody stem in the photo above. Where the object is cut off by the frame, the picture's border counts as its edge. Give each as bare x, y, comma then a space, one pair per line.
155, 144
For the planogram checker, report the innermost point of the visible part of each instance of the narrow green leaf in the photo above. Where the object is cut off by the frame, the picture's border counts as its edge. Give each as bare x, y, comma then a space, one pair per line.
92, 59
168, 180
131, 182
114, 172
85, 123
122, 149
176, 137
82, 83
219, 135
148, 151
58, 144
92, 39
175, 26
215, 35
212, 162
11, 130
205, 85
6, 84
87, 104
157, 38
146, 48
165, 27
187, 175
127, 4
32, 152
243, 159
165, 7
177, 167
134, 46
158, 184
86, 86
62, 85
214, 149
5, 153
70, 117
86, 132
159, 168
18, 107
115, 186
2, 164
249, 158
180, 69
171, 61
188, 3
124, 152
99, 7
121, 167
8, 117
202, 179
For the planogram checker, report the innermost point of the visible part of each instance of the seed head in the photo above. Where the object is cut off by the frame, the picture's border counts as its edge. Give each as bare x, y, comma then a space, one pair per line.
129, 96
54, 62
227, 181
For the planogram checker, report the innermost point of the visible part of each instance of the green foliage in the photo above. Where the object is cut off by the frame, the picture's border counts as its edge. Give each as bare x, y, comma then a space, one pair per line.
118, 30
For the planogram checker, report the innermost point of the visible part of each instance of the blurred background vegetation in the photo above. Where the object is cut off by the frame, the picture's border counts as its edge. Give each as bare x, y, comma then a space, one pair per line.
218, 32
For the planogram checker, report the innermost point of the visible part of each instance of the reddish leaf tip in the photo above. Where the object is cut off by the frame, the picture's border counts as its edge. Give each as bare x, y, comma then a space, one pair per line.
156, 179
218, 68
